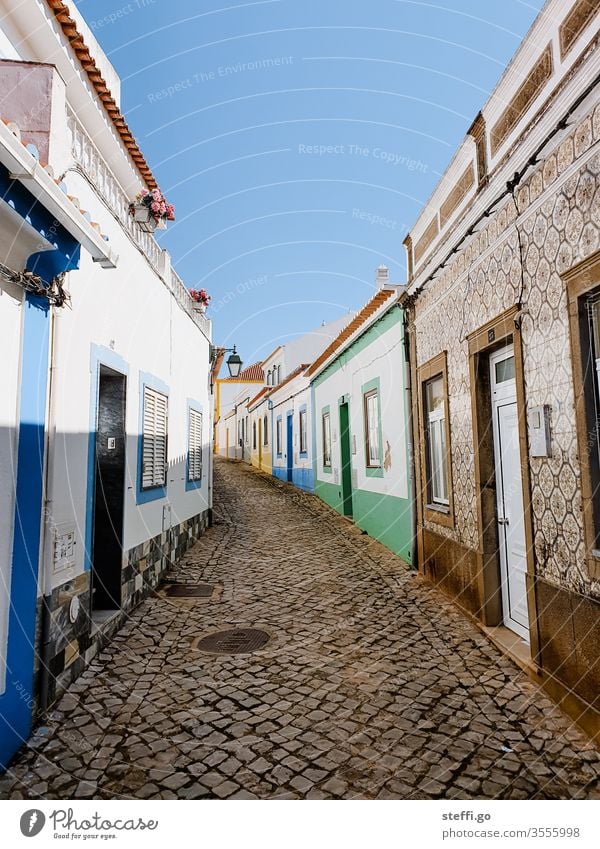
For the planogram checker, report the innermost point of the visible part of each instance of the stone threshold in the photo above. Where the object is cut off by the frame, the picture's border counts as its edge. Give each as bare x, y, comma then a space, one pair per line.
513, 646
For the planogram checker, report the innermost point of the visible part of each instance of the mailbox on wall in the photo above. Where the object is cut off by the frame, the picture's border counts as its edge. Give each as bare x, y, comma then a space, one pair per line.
539, 431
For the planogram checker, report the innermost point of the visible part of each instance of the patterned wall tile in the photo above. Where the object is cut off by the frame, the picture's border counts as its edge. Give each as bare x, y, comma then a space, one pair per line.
558, 233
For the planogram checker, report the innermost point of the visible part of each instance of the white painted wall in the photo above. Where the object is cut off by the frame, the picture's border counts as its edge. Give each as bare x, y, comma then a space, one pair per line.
130, 313
382, 358
289, 399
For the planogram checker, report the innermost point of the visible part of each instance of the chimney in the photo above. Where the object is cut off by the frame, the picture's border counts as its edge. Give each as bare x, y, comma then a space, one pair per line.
383, 276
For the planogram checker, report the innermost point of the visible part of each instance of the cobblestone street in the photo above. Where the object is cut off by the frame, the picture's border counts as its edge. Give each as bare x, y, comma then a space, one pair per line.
371, 686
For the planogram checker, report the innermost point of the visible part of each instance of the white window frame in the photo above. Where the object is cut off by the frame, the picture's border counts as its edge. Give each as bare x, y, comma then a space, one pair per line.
155, 429
279, 436
326, 433
437, 449
303, 430
371, 416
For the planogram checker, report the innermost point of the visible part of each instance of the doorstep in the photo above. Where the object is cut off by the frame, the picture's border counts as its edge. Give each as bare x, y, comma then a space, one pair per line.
512, 645
102, 619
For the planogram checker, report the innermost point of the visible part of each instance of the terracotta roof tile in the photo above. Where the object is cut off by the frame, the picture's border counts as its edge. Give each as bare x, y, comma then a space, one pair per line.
253, 372
257, 397
69, 27
363, 315
290, 376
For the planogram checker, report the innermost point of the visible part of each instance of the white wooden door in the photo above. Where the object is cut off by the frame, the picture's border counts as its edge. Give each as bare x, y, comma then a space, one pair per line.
509, 492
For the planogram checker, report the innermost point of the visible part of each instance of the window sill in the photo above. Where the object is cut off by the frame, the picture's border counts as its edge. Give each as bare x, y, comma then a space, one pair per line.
151, 493
439, 514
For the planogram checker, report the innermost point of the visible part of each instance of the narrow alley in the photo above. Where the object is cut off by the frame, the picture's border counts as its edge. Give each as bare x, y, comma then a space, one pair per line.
371, 685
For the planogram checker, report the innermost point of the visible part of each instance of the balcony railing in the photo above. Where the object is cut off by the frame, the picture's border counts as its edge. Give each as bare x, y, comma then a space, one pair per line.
88, 158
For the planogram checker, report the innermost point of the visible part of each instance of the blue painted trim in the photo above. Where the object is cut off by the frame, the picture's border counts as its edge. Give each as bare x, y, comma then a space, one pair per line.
98, 356
280, 472
17, 698
303, 479
143, 496
197, 407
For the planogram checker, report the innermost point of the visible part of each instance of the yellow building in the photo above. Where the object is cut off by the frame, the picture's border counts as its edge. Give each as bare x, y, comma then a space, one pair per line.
259, 432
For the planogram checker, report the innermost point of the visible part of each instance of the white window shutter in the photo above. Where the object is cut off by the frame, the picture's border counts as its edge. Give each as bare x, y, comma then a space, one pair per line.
154, 439
195, 446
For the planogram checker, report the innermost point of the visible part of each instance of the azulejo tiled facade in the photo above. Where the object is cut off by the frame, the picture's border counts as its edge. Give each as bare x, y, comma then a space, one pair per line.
502, 278
560, 211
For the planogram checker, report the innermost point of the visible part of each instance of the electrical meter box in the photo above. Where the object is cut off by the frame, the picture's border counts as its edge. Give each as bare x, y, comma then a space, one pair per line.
539, 431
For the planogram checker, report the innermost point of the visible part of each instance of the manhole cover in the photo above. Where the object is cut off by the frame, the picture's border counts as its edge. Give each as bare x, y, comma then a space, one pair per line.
233, 641
189, 590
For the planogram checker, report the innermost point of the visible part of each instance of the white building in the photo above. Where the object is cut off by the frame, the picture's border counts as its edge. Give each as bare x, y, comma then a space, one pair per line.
361, 421
292, 430
232, 426
105, 432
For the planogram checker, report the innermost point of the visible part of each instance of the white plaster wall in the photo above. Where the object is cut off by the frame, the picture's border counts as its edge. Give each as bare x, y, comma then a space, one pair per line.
290, 399
129, 312
383, 358
8, 49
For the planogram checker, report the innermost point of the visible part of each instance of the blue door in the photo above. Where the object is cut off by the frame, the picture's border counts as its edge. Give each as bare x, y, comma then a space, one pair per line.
290, 445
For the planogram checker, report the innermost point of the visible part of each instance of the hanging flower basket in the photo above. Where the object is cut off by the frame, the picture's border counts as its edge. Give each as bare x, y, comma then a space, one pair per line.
151, 211
201, 299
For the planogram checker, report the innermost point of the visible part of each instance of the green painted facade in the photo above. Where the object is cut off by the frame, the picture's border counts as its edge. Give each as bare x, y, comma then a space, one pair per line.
384, 517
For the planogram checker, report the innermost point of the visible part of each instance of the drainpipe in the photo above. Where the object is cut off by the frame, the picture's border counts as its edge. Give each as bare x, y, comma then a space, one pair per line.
414, 555
46, 613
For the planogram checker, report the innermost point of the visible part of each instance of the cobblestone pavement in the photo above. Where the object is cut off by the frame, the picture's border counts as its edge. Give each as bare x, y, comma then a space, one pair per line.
372, 686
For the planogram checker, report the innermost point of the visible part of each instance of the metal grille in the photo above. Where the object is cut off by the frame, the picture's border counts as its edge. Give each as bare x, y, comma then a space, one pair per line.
233, 641
189, 590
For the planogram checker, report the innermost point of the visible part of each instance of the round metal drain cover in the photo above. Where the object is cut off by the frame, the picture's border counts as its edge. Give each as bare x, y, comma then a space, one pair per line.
233, 641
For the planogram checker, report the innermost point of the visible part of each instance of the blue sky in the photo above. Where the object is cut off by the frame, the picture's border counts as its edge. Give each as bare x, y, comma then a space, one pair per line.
299, 139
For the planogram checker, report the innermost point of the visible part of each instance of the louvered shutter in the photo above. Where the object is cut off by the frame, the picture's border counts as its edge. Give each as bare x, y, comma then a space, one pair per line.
154, 439
195, 446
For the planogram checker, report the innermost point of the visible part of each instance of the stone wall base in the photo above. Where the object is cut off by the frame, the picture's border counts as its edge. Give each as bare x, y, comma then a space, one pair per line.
568, 629
66, 648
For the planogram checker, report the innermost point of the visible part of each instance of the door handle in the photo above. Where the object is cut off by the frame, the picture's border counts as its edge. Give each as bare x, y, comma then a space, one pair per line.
503, 522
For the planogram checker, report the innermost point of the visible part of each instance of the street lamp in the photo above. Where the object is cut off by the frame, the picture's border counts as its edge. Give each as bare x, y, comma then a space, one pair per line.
234, 362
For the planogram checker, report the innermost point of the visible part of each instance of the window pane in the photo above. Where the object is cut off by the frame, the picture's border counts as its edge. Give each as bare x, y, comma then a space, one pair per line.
437, 461
505, 370
595, 313
303, 440
434, 390
372, 429
326, 440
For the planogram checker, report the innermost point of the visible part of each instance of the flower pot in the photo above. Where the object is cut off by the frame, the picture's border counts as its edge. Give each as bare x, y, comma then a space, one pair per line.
200, 308
141, 213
